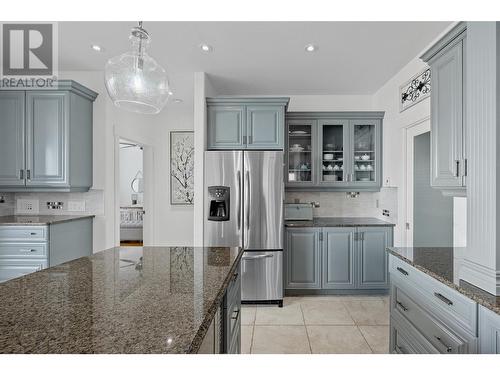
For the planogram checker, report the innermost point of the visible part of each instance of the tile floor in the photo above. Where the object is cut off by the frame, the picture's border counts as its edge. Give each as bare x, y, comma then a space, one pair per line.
317, 324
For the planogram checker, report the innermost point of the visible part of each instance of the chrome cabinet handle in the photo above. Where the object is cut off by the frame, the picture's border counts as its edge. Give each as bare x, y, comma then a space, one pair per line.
457, 168
235, 276
235, 317
27, 250
402, 270
21, 174
238, 203
465, 167
28, 174
403, 307
448, 348
33, 233
258, 257
443, 299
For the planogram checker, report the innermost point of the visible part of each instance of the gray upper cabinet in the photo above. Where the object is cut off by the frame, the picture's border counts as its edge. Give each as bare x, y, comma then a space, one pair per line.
237, 123
338, 258
303, 258
50, 134
12, 151
372, 257
334, 151
448, 160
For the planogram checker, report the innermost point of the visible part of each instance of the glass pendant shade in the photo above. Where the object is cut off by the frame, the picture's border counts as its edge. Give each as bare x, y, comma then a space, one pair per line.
134, 80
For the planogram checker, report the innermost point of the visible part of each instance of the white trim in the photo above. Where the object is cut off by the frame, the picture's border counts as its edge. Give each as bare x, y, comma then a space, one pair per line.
476, 274
412, 130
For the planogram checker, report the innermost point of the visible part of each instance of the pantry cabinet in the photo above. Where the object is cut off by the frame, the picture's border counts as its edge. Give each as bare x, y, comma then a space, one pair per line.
333, 151
46, 142
238, 123
446, 60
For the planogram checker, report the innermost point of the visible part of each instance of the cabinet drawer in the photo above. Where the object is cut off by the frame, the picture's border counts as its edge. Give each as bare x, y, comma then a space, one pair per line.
405, 339
443, 300
434, 331
13, 268
23, 233
19, 250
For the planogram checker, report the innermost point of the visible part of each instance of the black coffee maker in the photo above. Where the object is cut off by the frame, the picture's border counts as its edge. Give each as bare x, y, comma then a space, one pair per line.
218, 198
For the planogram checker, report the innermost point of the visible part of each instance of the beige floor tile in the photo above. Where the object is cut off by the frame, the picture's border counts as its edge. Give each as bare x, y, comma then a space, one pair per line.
377, 337
246, 339
337, 340
280, 340
289, 314
325, 312
369, 312
248, 315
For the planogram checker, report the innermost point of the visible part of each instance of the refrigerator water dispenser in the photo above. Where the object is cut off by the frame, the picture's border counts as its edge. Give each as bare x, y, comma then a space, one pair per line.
218, 198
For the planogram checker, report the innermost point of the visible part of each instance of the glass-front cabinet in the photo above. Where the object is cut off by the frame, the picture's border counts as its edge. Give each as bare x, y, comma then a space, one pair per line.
334, 151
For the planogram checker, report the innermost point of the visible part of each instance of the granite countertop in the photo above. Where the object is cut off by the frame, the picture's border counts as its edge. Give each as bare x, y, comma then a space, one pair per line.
120, 300
338, 222
438, 262
39, 219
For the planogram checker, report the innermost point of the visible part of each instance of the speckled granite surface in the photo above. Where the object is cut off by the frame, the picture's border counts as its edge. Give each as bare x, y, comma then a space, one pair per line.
39, 219
338, 222
438, 263
120, 300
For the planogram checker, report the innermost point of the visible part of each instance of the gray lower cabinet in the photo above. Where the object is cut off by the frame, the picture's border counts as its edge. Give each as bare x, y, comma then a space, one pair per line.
25, 249
489, 331
46, 142
232, 315
448, 152
303, 258
372, 257
237, 123
337, 258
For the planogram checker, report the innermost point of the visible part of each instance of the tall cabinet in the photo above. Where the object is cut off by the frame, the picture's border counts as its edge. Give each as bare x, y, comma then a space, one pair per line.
46, 142
335, 151
448, 152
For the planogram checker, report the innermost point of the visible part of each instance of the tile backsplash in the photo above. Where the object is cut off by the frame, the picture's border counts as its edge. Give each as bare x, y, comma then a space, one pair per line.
339, 204
94, 202
7, 203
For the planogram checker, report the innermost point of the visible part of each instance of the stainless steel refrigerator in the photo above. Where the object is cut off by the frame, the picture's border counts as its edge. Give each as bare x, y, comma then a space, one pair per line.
243, 206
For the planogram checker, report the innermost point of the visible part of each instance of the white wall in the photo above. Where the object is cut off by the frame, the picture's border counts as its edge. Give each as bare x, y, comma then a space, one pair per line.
130, 166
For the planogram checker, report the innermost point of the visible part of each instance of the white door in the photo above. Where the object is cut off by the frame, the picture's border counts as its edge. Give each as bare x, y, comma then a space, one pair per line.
411, 131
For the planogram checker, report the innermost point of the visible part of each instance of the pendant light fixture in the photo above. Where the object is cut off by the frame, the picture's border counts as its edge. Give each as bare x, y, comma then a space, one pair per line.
134, 80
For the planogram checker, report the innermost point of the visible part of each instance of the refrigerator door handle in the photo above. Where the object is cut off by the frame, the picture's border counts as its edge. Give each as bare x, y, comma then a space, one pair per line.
247, 200
238, 203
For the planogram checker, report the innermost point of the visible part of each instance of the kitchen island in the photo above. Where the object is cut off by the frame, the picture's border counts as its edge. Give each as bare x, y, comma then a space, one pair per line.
120, 300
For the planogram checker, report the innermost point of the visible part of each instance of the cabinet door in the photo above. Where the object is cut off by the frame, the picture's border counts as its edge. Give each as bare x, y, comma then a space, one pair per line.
226, 127
12, 138
338, 258
265, 127
372, 257
303, 259
447, 118
489, 331
365, 158
334, 154
301, 149
13, 268
47, 128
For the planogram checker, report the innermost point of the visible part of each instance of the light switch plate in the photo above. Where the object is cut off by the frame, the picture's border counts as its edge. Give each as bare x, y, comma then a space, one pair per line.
27, 206
76, 206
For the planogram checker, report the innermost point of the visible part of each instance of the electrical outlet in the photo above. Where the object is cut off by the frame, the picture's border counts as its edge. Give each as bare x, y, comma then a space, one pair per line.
76, 206
27, 206
386, 213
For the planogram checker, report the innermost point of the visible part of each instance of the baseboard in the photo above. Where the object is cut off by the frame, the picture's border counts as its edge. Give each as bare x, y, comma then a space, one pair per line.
476, 274
334, 292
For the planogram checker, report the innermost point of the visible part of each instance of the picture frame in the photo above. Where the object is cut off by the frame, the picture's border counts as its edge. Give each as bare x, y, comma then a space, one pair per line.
182, 167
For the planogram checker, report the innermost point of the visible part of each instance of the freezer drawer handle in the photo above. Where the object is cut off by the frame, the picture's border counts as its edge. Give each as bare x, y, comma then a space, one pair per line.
258, 257
448, 348
402, 270
238, 204
443, 298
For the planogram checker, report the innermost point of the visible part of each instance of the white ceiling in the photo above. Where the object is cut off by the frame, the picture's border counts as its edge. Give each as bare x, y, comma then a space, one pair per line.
260, 57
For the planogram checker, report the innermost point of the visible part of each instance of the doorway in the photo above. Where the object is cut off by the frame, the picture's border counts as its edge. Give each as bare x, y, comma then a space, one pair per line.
429, 214
131, 193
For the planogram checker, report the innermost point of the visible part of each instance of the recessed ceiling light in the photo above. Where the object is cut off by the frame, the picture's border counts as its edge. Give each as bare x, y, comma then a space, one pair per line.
170, 93
177, 100
311, 48
206, 48
97, 48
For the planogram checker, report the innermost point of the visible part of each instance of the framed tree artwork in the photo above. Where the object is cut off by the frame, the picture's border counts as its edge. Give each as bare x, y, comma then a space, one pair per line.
181, 167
